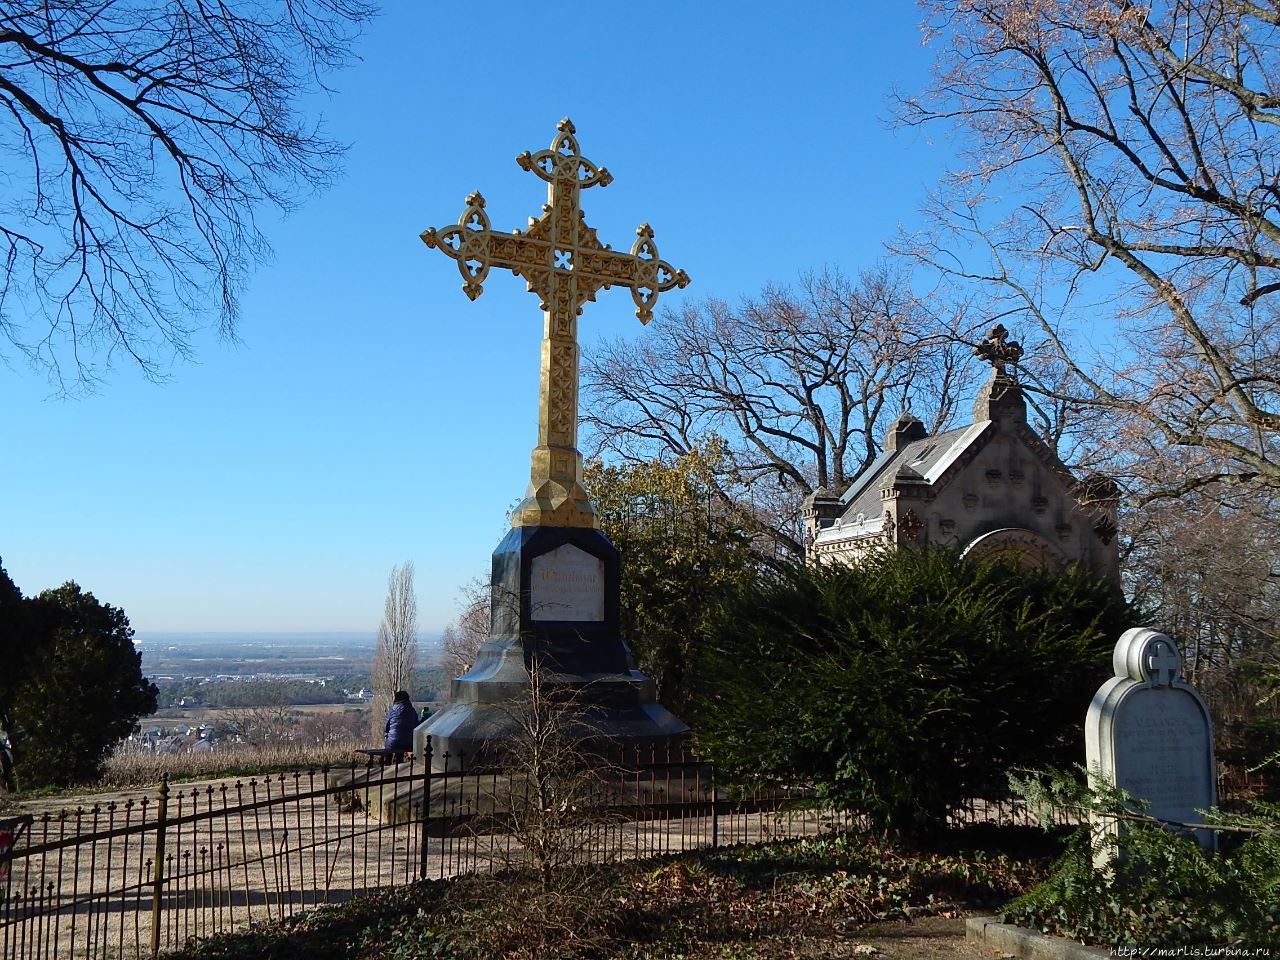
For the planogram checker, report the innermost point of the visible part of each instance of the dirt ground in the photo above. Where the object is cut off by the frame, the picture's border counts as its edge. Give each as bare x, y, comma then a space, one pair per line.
930, 938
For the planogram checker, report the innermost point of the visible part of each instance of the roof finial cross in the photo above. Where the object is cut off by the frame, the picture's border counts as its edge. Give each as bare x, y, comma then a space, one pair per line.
997, 349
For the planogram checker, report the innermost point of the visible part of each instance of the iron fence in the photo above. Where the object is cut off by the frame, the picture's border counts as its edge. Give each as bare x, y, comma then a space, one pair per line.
135, 875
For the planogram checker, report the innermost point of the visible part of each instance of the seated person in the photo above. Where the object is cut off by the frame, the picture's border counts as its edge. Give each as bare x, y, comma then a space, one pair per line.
402, 717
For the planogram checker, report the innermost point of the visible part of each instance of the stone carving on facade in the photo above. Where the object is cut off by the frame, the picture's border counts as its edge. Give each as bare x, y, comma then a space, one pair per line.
1025, 547
889, 527
912, 526
1106, 530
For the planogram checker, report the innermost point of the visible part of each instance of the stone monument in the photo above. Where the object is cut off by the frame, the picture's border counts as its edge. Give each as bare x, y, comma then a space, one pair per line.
1148, 733
555, 575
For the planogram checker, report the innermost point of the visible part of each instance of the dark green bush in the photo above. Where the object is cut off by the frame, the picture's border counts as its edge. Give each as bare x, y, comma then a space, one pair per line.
80, 691
906, 686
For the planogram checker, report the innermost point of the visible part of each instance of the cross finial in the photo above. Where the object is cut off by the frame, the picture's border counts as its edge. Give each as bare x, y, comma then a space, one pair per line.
566, 265
562, 163
997, 349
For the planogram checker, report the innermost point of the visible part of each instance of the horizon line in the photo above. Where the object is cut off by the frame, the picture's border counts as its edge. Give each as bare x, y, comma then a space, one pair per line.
372, 634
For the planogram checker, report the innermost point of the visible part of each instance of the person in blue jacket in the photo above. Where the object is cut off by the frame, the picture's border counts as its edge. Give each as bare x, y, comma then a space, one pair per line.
402, 717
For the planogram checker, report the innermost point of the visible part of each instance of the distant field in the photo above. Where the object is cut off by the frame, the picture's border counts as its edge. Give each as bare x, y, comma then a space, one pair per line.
255, 654
193, 716
264, 654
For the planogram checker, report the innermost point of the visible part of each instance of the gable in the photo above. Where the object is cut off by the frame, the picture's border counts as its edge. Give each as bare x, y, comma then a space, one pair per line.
921, 461
962, 485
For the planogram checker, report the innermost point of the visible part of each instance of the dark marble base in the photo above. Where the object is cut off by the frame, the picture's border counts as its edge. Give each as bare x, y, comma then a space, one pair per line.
582, 662
586, 646
603, 711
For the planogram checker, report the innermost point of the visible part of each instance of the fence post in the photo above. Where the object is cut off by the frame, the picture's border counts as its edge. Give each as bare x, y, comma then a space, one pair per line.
426, 811
715, 810
157, 890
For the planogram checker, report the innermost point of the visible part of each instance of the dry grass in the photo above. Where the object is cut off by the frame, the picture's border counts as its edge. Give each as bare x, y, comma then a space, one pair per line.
131, 769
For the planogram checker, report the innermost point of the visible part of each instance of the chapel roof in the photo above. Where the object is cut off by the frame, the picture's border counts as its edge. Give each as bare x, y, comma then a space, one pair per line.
920, 461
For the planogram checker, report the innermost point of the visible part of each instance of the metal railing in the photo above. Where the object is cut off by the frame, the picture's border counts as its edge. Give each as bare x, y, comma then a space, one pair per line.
135, 875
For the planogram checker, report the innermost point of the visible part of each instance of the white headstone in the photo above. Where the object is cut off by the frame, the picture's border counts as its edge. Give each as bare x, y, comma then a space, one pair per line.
1148, 733
566, 584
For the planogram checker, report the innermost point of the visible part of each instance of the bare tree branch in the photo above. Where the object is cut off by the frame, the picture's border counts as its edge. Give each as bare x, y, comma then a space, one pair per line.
792, 389
462, 639
140, 139
1140, 142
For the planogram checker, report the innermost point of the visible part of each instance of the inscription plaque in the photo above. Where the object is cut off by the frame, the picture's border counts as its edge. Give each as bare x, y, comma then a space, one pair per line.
566, 584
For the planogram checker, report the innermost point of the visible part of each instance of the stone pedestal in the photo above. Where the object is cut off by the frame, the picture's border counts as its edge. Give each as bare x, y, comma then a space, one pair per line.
555, 605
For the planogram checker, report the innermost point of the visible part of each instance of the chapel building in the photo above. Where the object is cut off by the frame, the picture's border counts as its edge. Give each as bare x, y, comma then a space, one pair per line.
990, 487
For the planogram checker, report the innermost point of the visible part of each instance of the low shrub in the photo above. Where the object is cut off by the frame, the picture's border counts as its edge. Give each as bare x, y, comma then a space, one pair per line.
382, 925
1162, 889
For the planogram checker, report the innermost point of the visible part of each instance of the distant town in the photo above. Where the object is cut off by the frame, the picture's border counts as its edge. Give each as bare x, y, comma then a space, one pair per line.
219, 690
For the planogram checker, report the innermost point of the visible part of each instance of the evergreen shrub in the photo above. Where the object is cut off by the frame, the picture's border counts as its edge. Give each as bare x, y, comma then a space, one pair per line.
908, 685
1160, 888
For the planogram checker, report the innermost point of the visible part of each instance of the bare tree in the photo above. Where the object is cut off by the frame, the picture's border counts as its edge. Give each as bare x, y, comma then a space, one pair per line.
554, 797
1208, 570
790, 390
324, 729
139, 139
1120, 181
462, 639
397, 648
267, 722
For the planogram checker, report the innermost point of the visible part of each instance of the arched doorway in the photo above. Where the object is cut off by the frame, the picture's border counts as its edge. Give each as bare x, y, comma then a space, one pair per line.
1028, 549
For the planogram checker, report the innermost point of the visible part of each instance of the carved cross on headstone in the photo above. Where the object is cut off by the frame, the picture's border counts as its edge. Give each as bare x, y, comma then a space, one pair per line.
1163, 663
997, 349
565, 265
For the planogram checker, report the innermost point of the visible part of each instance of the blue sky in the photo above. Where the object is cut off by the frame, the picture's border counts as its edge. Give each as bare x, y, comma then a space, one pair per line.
371, 413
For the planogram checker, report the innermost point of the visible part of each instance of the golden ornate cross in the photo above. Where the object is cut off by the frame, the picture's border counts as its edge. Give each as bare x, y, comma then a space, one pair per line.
565, 265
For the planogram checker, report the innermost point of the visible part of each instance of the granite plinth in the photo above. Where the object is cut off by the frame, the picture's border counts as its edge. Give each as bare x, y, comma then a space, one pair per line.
554, 608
